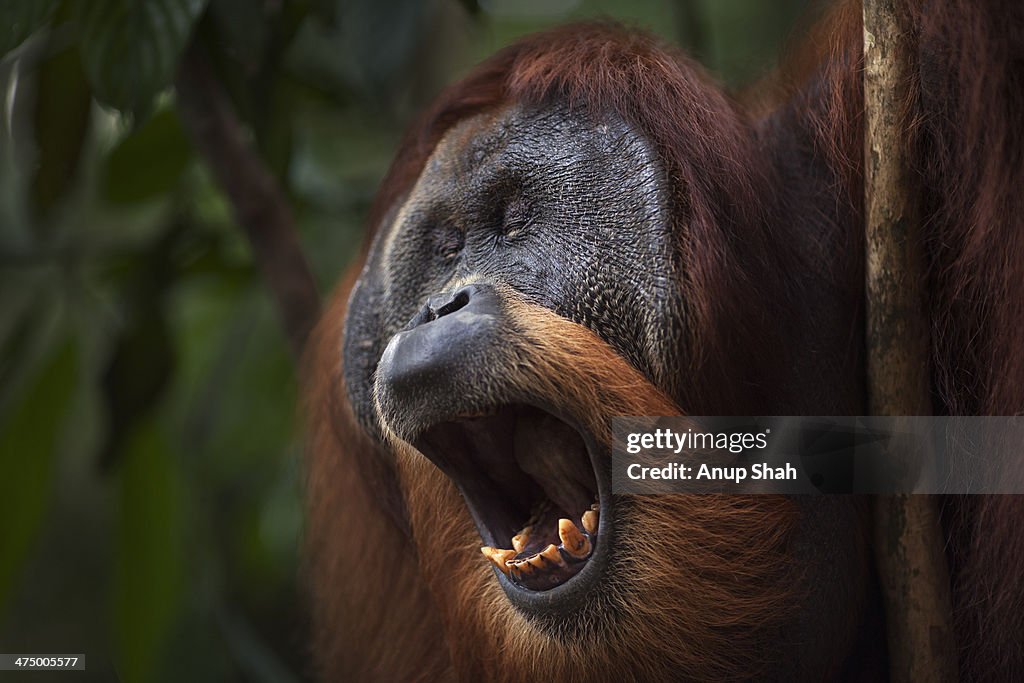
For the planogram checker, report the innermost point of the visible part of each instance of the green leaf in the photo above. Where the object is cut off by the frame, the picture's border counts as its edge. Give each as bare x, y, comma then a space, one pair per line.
21, 18
60, 123
28, 444
149, 162
150, 546
131, 48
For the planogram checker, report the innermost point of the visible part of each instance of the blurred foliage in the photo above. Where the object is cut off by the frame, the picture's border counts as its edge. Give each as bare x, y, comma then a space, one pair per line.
149, 444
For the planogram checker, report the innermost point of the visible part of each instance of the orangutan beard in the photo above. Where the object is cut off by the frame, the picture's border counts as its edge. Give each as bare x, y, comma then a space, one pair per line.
696, 589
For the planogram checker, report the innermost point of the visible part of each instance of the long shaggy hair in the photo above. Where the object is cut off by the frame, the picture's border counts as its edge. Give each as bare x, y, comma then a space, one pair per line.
716, 571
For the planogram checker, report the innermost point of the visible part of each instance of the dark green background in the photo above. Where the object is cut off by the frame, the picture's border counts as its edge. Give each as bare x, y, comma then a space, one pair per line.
150, 449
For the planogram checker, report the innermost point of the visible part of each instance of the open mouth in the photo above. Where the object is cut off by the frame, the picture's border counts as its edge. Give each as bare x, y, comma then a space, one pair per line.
531, 485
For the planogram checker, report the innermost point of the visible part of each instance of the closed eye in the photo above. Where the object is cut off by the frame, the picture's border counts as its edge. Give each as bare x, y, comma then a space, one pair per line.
519, 216
450, 242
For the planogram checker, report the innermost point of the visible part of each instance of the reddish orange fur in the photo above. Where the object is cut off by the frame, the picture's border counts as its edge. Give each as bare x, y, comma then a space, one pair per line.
737, 591
359, 558
377, 602
970, 143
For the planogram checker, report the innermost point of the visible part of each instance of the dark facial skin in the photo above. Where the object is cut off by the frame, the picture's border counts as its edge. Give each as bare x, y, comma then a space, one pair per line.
566, 208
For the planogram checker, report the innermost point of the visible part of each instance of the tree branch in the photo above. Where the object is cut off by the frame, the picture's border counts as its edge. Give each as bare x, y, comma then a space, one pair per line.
259, 204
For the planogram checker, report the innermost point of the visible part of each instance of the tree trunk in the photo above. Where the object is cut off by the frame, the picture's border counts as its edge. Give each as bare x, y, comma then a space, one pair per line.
908, 538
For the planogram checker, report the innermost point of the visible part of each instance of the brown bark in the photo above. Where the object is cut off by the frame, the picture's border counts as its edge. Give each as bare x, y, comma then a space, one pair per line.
259, 204
908, 538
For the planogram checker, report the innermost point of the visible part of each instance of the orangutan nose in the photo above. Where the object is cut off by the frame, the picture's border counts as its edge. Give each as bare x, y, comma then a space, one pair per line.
441, 305
438, 356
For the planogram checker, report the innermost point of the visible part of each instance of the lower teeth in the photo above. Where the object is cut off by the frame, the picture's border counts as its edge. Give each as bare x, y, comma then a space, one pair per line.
575, 547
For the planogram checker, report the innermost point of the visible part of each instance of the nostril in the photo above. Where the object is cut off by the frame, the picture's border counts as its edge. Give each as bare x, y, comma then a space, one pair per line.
441, 305
457, 301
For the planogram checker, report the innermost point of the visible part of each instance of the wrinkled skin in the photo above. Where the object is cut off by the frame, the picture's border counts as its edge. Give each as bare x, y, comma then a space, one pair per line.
560, 208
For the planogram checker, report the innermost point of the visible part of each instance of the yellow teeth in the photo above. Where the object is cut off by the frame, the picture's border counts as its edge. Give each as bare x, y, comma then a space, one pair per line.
521, 568
573, 540
558, 561
520, 539
498, 556
541, 560
552, 555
